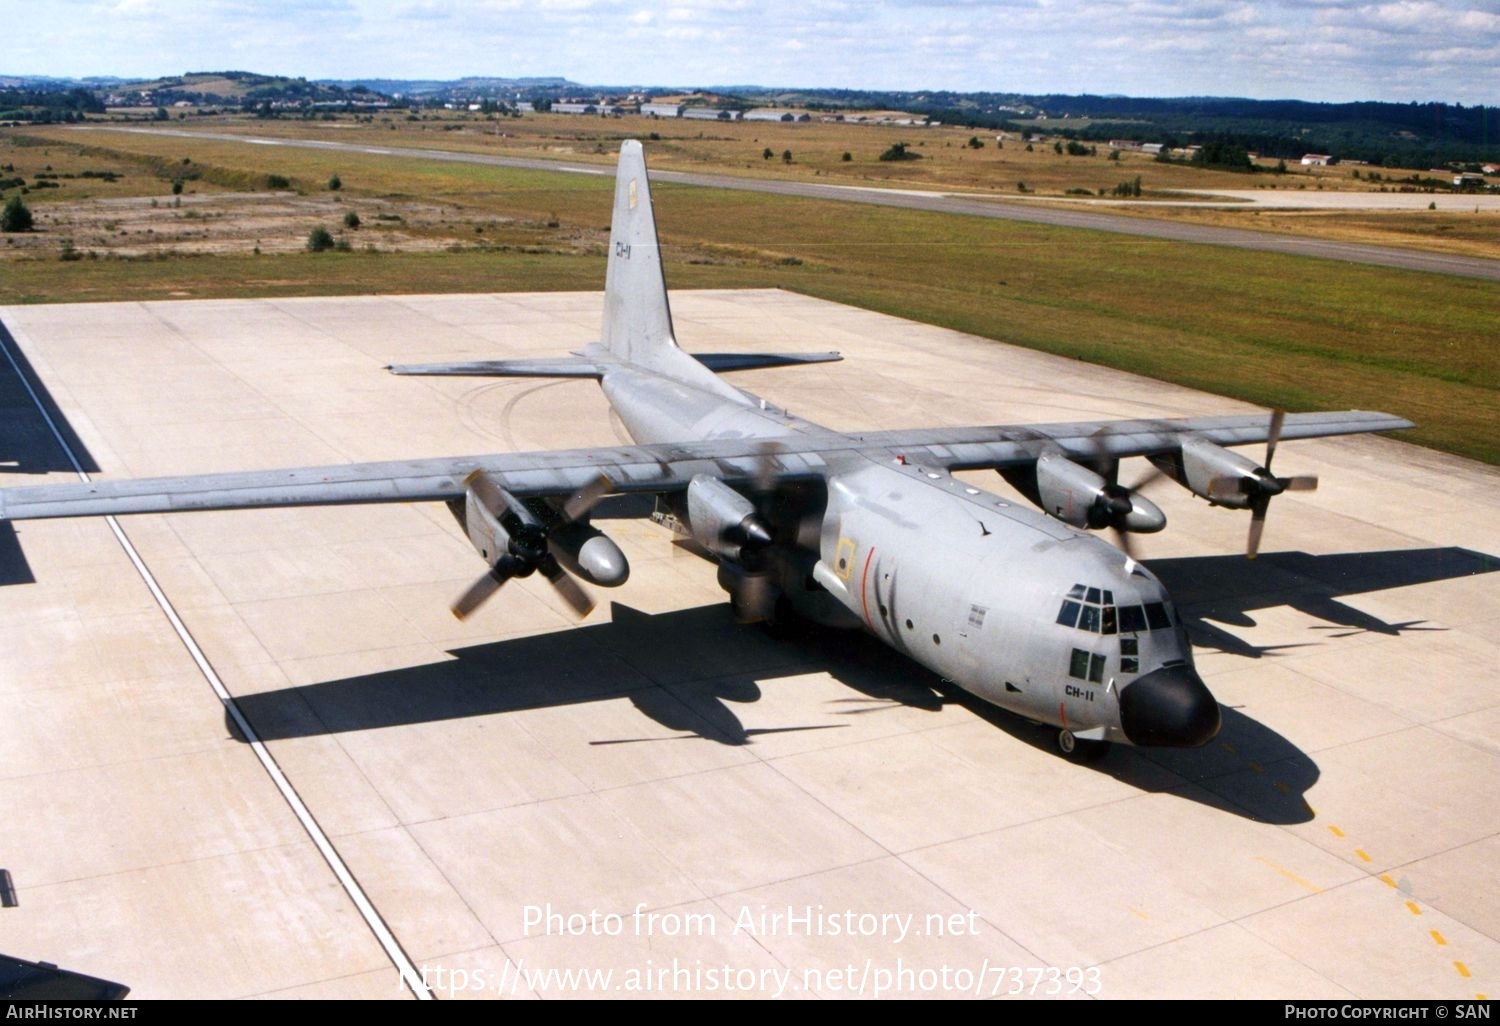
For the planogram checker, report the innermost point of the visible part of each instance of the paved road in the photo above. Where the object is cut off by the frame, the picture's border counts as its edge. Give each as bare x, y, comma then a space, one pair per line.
1006, 210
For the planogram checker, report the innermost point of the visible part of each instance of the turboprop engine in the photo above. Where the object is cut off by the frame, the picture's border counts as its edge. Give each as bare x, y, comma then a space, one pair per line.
1077, 495
517, 539
723, 521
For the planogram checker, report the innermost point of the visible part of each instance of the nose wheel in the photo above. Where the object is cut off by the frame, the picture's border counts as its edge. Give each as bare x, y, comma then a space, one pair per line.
1078, 750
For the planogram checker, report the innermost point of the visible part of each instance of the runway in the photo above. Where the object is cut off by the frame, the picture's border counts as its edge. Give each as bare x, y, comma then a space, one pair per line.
951, 203
657, 801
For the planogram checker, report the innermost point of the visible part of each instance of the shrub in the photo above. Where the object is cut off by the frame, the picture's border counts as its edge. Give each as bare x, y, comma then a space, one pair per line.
351, 220
846, 157
335, 184
16, 217
898, 151
319, 240
278, 182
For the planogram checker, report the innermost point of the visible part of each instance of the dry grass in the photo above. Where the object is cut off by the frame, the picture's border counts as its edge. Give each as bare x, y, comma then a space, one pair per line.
1277, 330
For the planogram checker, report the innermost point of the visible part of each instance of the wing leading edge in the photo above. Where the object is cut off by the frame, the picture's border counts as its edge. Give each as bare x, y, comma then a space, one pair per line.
656, 468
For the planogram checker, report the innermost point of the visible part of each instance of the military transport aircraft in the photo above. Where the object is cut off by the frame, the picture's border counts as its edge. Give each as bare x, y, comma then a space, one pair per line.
871, 530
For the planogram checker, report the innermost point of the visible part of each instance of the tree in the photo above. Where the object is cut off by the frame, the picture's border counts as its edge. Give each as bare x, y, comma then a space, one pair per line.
319, 240
335, 184
846, 157
351, 220
786, 156
766, 154
16, 217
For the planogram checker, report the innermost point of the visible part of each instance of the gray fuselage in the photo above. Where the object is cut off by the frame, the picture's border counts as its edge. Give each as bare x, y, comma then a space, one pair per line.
967, 583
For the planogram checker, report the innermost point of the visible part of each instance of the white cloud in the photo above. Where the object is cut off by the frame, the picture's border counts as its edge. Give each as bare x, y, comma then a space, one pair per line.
1314, 49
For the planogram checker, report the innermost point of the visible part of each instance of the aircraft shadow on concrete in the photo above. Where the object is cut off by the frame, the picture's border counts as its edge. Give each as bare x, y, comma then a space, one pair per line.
27, 445
664, 665
1227, 590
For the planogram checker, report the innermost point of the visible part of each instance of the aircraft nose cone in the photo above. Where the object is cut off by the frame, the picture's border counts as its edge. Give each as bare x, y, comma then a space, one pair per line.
1171, 707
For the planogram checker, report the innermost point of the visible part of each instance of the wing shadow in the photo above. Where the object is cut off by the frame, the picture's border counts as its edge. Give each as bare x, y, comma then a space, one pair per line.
661, 663
27, 445
1229, 589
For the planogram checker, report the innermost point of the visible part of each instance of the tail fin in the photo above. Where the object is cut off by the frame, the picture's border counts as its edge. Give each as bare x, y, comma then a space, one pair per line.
637, 320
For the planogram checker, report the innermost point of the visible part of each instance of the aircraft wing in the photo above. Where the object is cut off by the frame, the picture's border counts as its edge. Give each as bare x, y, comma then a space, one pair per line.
656, 468
645, 468
583, 366
979, 448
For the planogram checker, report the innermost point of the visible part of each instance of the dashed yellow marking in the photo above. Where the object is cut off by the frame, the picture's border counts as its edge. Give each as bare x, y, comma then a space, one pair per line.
1412, 907
1257, 767
1385, 878
1314, 888
1463, 970
1364, 855
1282, 787
1480, 997
1227, 747
1140, 915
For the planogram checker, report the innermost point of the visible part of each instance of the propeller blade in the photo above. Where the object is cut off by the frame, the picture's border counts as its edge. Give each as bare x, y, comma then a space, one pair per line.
1258, 510
1278, 417
478, 593
765, 466
1304, 483
1150, 477
586, 498
571, 591
756, 598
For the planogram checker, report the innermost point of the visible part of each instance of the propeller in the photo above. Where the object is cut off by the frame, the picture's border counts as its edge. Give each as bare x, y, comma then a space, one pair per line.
1111, 508
527, 549
757, 596
1261, 487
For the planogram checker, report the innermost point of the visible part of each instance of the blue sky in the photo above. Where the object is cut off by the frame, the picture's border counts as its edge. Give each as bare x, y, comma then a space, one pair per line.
1313, 49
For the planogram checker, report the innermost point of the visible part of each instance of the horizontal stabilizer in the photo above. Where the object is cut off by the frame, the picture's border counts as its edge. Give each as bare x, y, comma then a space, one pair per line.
721, 362
582, 367
562, 367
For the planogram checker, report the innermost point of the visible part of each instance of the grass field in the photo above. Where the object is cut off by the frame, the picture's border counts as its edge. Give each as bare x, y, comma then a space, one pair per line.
1276, 330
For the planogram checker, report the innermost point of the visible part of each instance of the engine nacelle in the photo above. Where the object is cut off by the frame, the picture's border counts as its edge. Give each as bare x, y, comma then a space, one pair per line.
589, 553
501, 528
722, 520
1077, 495
1212, 472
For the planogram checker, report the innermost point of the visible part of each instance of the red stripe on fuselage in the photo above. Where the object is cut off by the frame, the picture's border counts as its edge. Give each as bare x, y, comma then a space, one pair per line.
864, 578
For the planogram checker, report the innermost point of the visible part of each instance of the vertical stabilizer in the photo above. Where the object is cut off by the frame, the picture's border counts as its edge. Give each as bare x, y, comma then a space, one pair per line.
637, 320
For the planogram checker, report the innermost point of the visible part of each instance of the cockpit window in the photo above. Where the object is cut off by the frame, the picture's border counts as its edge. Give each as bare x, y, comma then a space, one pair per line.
1156, 616
1068, 616
1094, 610
1089, 621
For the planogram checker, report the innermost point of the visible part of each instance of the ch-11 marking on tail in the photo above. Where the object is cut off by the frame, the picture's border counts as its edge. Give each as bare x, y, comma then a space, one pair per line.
1024, 608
